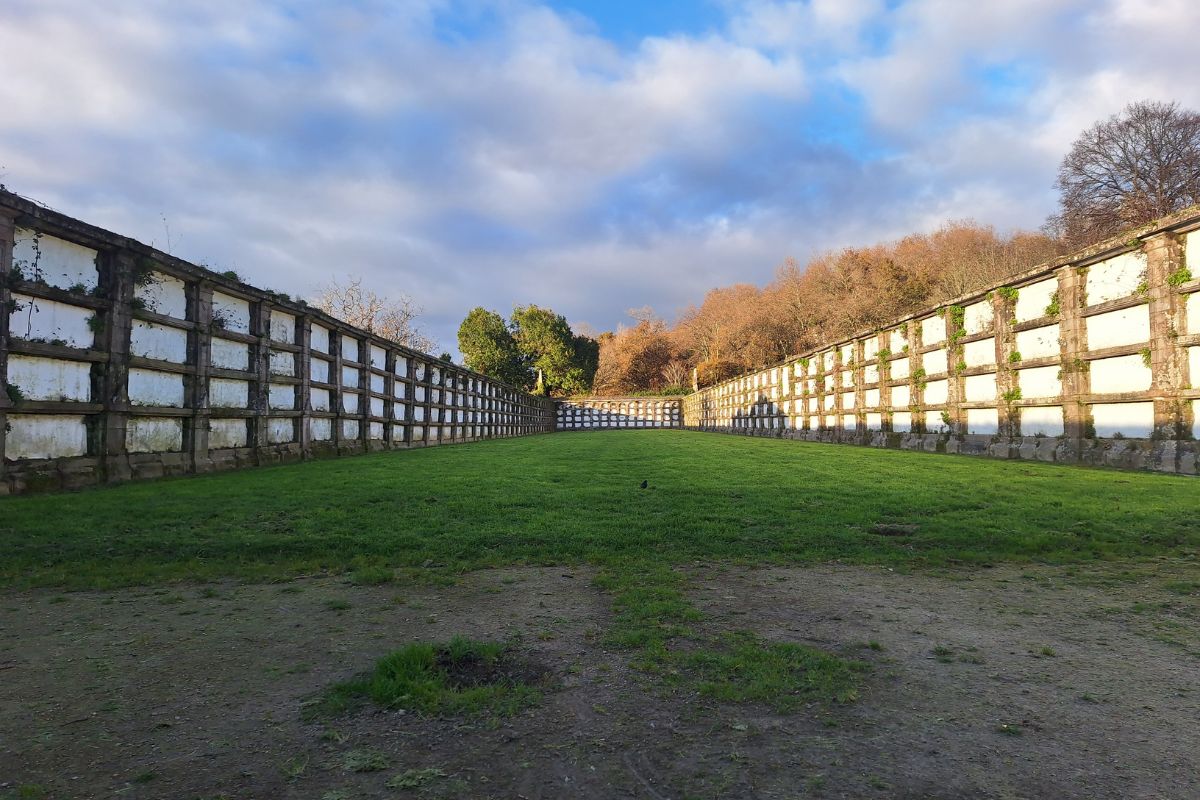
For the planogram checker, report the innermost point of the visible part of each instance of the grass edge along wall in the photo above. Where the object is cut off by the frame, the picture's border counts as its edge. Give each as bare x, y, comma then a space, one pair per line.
119, 362
1091, 359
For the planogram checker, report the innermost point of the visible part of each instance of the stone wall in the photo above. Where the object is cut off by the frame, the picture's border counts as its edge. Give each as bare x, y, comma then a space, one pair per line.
599, 413
119, 361
1094, 359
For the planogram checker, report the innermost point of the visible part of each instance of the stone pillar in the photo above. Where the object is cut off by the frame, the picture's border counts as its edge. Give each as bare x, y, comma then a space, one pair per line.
364, 394
1168, 358
7, 241
916, 392
260, 386
954, 377
199, 298
116, 282
303, 338
1076, 385
1004, 313
335, 394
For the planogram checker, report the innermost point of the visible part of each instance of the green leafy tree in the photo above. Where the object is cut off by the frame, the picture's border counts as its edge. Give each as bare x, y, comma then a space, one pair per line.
546, 341
488, 346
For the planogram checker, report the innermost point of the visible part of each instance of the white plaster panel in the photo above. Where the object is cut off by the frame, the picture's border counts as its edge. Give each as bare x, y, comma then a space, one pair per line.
1039, 382
848, 400
318, 399
934, 363
377, 383
1116, 277
874, 421
320, 429
1196, 403
829, 401
282, 363
163, 294
399, 388
377, 406
934, 422
933, 330
980, 388
870, 347
225, 393
149, 387
318, 339
163, 342
1193, 306
1132, 420
871, 398
318, 370
1033, 299
154, 435
897, 340
45, 436
418, 433
350, 376
978, 317
1038, 342
936, 392
349, 348
980, 353
1128, 326
420, 394
375, 430
871, 373
900, 396
849, 422
281, 396
830, 421
899, 368
902, 421
401, 366
280, 430
56, 261
378, 357
1044, 420
225, 433
233, 313
813, 405
350, 402
1122, 374
349, 429
983, 420
847, 379
827, 361
50, 378
229, 355
399, 410
37, 319
1194, 366
398, 433
283, 326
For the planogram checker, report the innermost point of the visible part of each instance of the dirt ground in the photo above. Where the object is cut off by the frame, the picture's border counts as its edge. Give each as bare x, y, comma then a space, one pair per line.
998, 683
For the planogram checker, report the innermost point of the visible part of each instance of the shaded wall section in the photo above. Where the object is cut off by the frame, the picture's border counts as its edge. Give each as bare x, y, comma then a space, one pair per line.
1093, 359
600, 413
118, 361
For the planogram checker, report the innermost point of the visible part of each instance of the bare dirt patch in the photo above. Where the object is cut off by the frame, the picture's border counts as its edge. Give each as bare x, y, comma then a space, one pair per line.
1009, 682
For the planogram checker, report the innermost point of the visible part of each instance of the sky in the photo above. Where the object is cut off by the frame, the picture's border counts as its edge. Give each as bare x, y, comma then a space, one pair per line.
590, 156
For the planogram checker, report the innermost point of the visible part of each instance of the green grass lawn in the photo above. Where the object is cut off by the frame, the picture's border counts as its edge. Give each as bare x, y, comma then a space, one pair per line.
576, 497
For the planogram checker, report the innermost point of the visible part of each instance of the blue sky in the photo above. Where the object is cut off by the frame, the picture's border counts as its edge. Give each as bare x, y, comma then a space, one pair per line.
585, 155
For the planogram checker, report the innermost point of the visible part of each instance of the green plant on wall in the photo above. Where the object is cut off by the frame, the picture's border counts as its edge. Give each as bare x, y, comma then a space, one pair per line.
95, 323
960, 367
918, 377
1014, 357
1147, 356
947, 420
1008, 293
1179, 277
954, 321
15, 395
883, 355
1053, 308
1012, 395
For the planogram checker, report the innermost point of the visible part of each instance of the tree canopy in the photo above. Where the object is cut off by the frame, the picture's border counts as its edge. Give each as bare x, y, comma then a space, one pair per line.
532, 339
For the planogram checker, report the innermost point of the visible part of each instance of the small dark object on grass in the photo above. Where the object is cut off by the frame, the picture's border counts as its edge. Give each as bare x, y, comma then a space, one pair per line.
644, 484
894, 529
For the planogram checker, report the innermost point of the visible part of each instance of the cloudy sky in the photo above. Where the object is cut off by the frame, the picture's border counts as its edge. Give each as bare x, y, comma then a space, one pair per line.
587, 155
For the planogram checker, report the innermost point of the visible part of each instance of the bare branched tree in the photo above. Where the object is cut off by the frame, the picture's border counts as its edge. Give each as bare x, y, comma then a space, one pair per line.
676, 373
1128, 170
391, 318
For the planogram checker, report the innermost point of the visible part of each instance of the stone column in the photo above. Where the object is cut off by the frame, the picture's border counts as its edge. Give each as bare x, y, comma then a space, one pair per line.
954, 378
1004, 312
335, 394
7, 241
364, 394
116, 281
199, 299
303, 338
1168, 358
1077, 418
260, 387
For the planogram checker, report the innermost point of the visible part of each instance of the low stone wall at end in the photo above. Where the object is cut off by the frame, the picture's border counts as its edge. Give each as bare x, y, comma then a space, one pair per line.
600, 413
